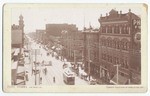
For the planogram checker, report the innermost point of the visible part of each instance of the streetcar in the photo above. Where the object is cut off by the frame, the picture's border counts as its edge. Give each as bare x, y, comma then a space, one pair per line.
68, 77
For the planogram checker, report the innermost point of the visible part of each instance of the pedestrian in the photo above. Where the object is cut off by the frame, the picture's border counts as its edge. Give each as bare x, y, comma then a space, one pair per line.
54, 79
40, 80
45, 71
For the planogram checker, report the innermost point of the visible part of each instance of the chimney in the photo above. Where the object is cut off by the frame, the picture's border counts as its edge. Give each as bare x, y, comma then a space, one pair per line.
129, 10
120, 14
106, 15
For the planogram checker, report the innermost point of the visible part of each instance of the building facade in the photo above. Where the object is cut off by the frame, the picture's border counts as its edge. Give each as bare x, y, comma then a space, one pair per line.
119, 47
91, 52
72, 45
113, 54
17, 59
40, 35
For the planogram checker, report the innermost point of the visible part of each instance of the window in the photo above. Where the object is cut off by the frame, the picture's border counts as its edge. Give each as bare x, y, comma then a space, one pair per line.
128, 29
126, 63
109, 29
103, 29
116, 29
114, 60
113, 43
117, 60
107, 42
110, 43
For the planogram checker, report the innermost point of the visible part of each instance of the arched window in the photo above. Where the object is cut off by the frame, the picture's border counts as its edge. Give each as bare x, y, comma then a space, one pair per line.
117, 44
113, 43
121, 61
109, 41
125, 44
128, 30
102, 42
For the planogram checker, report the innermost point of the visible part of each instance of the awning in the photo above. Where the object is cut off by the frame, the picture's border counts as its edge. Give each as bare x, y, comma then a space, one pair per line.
121, 80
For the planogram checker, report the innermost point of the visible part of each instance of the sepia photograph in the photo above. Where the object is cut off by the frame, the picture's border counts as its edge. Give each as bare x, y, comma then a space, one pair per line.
75, 48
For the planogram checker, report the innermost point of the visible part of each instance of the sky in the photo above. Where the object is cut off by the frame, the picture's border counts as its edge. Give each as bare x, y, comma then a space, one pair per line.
36, 18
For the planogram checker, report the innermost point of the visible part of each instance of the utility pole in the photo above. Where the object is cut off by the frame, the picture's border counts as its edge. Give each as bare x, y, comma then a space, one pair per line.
75, 58
89, 57
89, 63
117, 71
35, 67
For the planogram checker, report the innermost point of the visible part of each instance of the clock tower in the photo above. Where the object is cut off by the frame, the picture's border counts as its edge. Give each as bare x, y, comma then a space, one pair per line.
21, 27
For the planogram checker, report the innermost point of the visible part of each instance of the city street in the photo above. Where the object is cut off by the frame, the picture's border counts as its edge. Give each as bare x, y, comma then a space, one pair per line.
53, 71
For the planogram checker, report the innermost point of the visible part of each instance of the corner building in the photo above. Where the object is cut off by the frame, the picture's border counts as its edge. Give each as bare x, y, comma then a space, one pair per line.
120, 48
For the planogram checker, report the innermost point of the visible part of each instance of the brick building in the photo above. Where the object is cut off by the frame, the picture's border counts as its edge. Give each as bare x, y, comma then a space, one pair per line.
113, 54
119, 41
